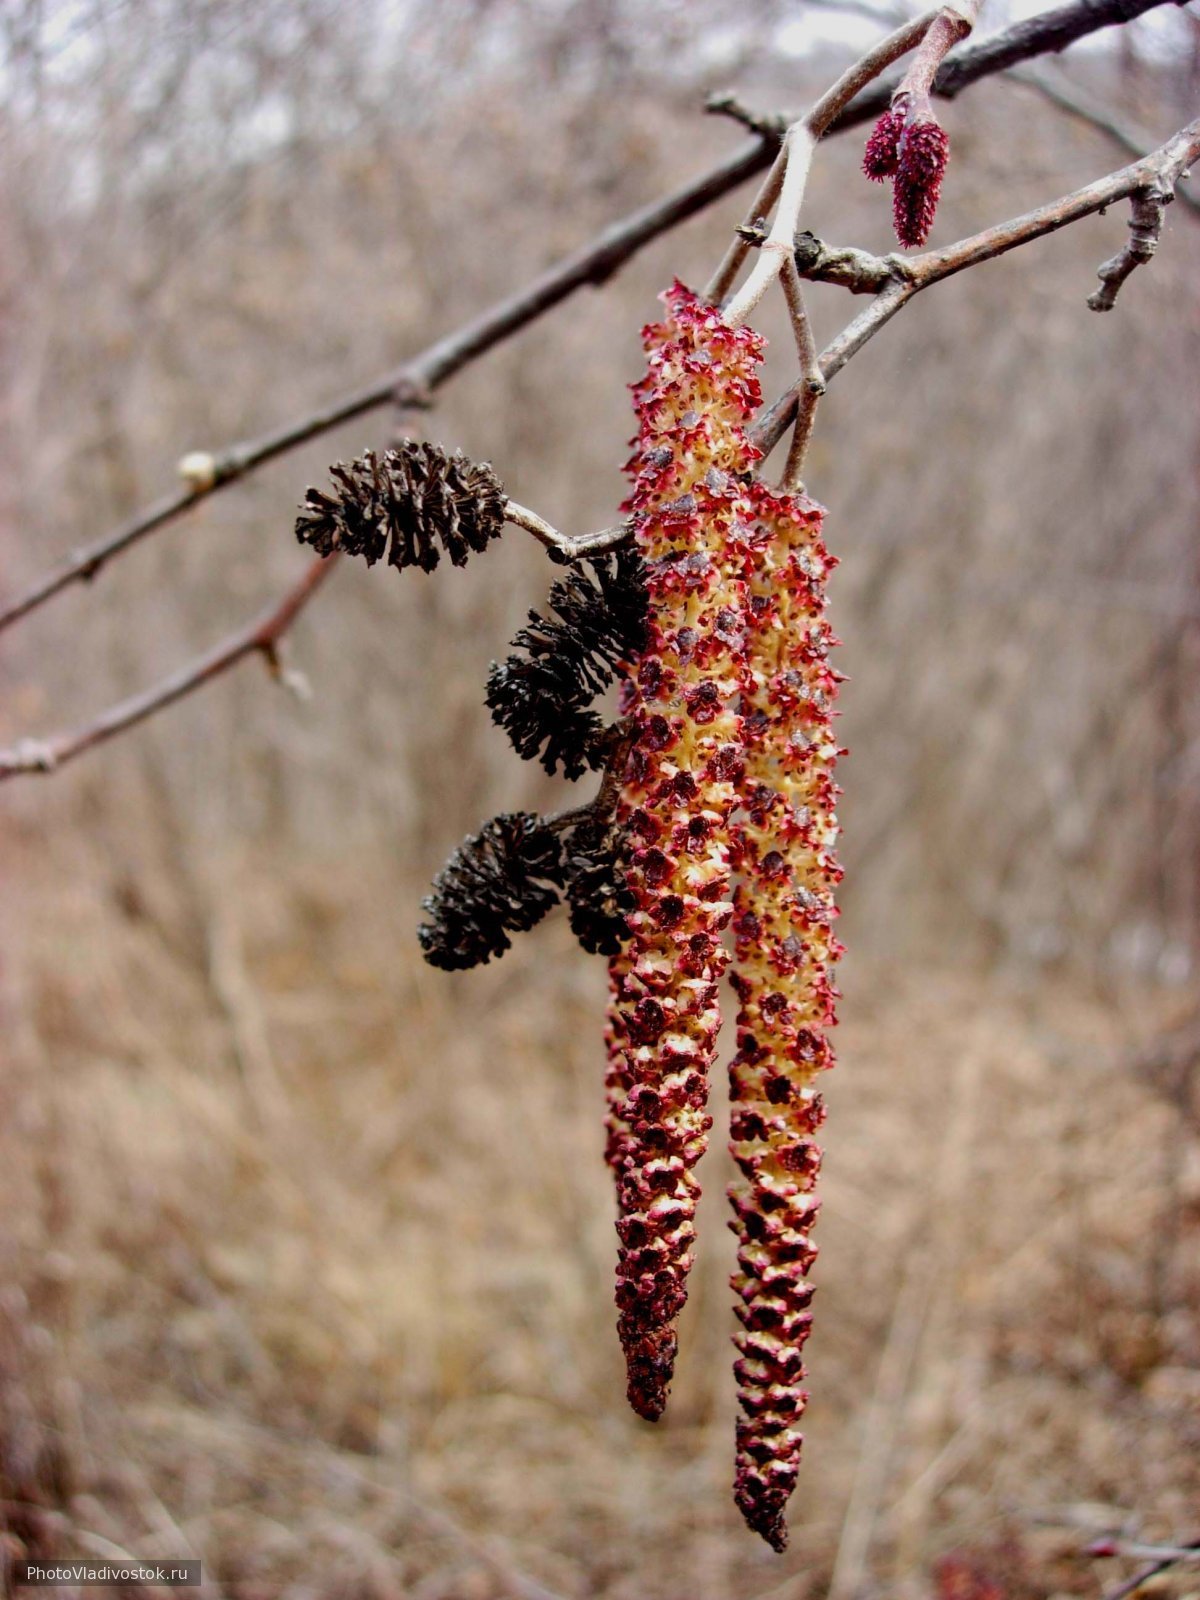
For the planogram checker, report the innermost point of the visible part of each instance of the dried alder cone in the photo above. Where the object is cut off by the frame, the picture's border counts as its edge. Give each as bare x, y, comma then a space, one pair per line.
542, 694
412, 503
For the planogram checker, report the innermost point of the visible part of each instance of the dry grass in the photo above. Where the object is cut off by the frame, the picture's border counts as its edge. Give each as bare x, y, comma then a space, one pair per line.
309, 1258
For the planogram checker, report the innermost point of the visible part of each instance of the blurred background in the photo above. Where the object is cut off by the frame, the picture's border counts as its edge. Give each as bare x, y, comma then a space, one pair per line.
306, 1252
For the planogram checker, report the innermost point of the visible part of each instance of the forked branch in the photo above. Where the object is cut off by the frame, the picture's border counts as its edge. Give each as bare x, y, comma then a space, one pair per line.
261, 637
897, 279
1149, 182
417, 379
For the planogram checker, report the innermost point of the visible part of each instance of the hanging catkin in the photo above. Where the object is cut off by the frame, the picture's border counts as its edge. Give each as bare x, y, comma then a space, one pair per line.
784, 853
688, 505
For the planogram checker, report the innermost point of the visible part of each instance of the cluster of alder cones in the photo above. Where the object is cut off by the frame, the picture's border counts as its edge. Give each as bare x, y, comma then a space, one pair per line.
715, 825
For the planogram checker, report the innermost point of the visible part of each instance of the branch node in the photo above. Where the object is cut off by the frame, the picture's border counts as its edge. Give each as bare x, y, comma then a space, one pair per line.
30, 755
770, 126
849, 268
410, 394
200, 471
1146, 207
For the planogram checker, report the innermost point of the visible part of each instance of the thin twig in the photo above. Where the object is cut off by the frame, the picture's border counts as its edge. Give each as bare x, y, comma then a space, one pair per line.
1147, 209
769, 125
563, 545
812, 384
1144, 1551
1160, 170
618, 740
776, 248
951, 25
424, 373
260, 637
1132, 1585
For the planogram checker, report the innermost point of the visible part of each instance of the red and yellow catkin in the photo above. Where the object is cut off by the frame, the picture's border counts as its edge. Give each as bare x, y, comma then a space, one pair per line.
681, 785
784, 855
728, 810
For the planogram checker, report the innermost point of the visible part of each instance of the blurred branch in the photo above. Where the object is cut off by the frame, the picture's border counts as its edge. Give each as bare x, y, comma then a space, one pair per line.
416, 380
414, 383
1071, 98
1164, 1557
1155, 174
885, 16
260, 637
1144, 1551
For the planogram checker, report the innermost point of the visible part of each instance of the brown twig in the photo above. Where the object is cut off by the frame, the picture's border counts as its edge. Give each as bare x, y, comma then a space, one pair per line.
261, 637
1159, 171
416, 380
812, 380
1147, 208
618, 740
1132, 1585
764, 125
564, 546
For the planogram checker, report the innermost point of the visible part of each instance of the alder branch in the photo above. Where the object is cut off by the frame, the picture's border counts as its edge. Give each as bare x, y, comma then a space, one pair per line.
563, 546
951, 25
417, 379
1162, 1557
1148, 207
1069, 97
414, 383
812, 379
785, 184
1159, 172
260, 637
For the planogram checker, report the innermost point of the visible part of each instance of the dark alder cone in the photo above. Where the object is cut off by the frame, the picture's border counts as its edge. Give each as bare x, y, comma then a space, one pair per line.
882, 155
924, 151
542, 693
595, 879
413, 502
500, 881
